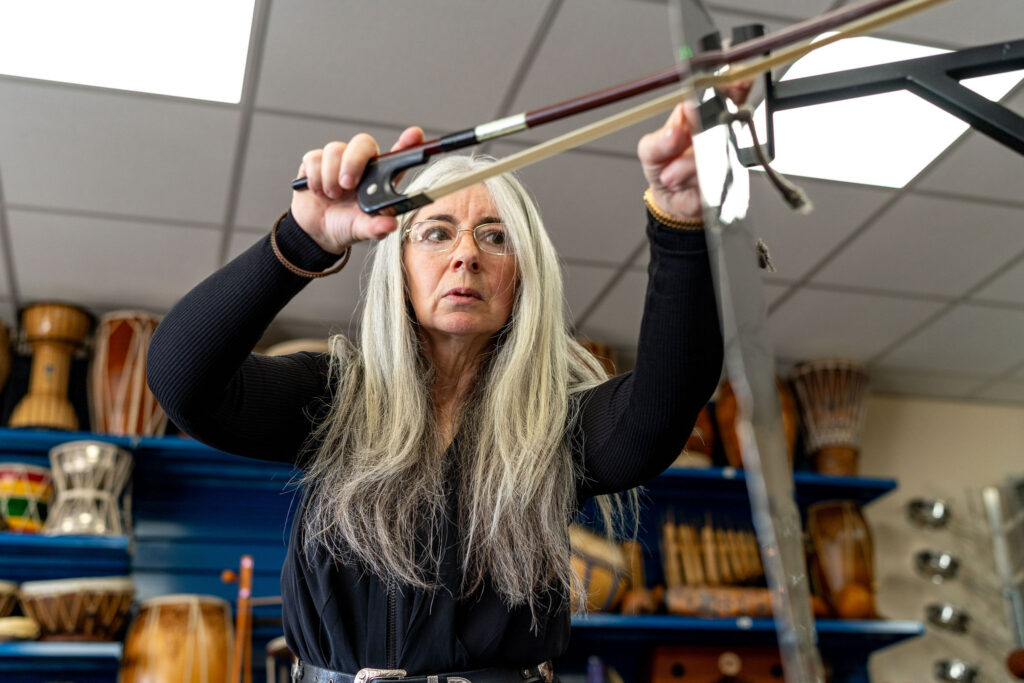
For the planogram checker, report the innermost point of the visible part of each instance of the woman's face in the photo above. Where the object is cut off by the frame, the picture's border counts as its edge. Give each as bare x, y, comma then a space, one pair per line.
464, 291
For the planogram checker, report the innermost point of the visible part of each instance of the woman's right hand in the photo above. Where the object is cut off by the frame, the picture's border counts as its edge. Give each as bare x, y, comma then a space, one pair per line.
327, 210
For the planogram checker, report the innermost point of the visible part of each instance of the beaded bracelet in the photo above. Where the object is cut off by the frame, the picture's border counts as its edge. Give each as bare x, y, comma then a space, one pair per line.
669, 220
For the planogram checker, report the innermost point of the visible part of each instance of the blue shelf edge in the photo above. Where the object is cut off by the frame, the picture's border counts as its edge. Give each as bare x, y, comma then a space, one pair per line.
61, 650
47, 543
807, 485
871, 634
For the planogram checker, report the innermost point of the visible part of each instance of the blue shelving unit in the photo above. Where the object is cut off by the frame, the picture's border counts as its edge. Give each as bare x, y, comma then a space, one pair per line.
34, 557
196, 510
78, 662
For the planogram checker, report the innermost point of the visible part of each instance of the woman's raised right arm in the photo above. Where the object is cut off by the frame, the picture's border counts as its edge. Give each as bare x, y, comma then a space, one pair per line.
200, 365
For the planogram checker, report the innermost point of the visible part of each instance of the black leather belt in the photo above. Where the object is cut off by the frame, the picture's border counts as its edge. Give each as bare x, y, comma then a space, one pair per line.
542, 673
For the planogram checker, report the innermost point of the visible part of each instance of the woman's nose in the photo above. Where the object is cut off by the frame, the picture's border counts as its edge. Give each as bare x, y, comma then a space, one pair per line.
465, 252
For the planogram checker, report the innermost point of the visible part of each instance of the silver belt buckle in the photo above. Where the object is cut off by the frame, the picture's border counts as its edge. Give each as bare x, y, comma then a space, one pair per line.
367, 675
296, 670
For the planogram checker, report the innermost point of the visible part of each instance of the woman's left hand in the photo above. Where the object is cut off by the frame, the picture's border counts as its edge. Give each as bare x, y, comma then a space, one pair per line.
666, 156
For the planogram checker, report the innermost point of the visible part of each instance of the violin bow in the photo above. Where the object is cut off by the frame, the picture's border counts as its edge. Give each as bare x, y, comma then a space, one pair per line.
376, 192
749, 359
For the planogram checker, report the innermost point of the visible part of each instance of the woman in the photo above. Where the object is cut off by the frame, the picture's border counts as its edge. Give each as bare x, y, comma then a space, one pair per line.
446, 455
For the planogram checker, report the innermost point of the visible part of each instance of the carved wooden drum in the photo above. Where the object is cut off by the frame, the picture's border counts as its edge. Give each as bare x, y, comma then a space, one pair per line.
601, 567
727, 409
90, 609
842, 558
54, 331
8, 598
120, 402
179, 639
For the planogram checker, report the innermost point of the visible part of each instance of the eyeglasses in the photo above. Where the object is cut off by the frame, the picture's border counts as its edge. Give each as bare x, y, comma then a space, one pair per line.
439, 236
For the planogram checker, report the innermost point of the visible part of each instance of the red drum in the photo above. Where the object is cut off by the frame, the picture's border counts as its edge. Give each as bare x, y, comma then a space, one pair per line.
119, 399
5, 353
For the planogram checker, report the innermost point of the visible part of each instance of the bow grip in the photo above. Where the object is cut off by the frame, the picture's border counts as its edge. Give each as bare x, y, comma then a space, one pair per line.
376, 191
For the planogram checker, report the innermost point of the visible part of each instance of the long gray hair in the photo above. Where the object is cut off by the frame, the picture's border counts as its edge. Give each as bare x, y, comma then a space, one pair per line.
380, 470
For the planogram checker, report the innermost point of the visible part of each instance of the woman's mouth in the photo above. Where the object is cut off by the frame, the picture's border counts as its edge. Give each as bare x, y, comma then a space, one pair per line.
462, 295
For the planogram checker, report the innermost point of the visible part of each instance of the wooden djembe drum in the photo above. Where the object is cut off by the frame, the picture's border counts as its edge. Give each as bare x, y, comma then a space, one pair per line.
179, 638
54, 331
726, 411
841, 558
601, 567
120, 402
831, 393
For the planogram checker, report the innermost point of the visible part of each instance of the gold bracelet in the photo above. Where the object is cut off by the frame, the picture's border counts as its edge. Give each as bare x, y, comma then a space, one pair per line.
295, 269
669, 220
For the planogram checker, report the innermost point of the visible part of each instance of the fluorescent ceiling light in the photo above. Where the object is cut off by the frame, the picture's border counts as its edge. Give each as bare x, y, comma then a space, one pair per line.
881, 140
186, 48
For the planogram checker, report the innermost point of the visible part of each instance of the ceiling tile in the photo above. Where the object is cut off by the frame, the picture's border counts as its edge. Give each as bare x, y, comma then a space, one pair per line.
773, 290
108, 264
909, 383
969, 339
395, 61
592, 206
797, 9
276, 147
797, 242
1008, 287
814, 323
582, 285
961, 24
597, 44
95, 150
929, 245
8, 315
995, 170
1005, 390
331, 300
616, 319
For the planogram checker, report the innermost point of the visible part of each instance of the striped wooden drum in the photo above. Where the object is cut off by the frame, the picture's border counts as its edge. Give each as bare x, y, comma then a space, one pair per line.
179, 638
54, 331
120, 402
601, 568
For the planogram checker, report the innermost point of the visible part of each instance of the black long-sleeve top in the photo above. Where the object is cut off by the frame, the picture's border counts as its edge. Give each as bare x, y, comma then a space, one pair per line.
336, 616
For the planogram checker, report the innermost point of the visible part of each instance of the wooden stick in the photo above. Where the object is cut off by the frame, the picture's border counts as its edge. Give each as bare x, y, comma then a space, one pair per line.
670, 553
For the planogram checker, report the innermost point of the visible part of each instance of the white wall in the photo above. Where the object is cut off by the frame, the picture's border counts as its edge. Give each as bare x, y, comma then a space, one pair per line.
932, 448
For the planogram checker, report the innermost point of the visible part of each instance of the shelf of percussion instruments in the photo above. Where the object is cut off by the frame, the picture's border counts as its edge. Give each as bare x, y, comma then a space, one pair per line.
81, 662
809, 487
